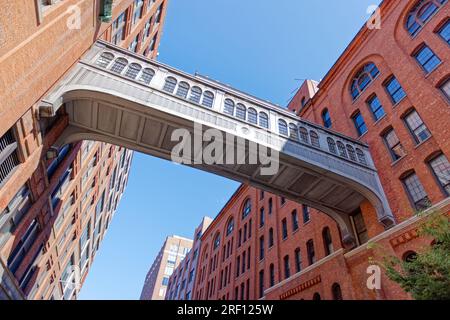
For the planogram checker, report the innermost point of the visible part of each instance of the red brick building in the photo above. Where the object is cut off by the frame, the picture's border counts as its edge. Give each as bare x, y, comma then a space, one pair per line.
390, 89
56, 205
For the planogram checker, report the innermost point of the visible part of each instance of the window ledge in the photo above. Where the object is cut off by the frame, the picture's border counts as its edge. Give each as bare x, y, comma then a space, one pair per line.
428, 74
377, 122
398, 102
393, 164
423, 142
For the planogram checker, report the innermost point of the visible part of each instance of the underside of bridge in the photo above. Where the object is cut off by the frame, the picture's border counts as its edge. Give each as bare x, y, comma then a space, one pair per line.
118, 97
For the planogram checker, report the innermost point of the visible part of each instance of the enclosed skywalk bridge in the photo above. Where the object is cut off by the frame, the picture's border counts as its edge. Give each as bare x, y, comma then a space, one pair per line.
119, 97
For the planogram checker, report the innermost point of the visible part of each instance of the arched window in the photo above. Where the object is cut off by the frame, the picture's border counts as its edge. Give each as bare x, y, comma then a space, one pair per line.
314, 139
293, 131
311, 252
208, 99
196, 94
336, 291
341, 149
316, 296
105, 59
229, 107
326, 118
170, 84
241, 111
252, 116
216, 241
421, 13
247, 208
327, 242
133, 70
263, 120
304, 135
351, 153
287, 268
282, 127
230, 226
119, 65
298, 260
331, 145
303, 101
147, 75
361, 156
272, 275
183, 89
270, 238
363, 78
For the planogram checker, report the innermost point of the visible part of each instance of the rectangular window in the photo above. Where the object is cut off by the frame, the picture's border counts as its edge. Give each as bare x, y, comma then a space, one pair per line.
261, 283
359, 227
393, 143
284, 228
445, 88
287, 268
395, 90
444, 32
376, 108
261, 217
23, 246
441, 169
9, 158
359, 123
416, 192
427, 59
261, 248
298, 261
416, 126
165, 281
305, 211
311, 252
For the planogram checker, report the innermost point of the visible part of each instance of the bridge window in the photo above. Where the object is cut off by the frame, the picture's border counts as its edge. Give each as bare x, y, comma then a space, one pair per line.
421, 13
314, 139
363, 78
247, 208
241, 111
361, 156
147, 75
183, 89
341, 149
293, 131
170, 84
105, 59
351, 153
229, 107
282, 127
208, 99
133, 70
326, 118
331, 145
304, 135
196, 94
327, 242
119, 65
252, 116
263, 120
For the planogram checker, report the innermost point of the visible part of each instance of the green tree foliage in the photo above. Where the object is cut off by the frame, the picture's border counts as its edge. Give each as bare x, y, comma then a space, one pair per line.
425, 276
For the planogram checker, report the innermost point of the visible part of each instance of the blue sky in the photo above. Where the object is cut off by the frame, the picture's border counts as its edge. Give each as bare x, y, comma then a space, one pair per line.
258, 46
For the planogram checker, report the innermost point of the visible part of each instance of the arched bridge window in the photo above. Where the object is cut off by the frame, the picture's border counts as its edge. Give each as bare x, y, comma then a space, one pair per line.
304, 135
119, 65
263, 120
183, 89
196, 94
331, 145
170, 84
133, 70
363, 78
351, 153
361, 156
241, 111
105, 59
341, 149
252, 116
293, 133
422, 11
147, 75
229, 107
314, 139
282, 127
208, 99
